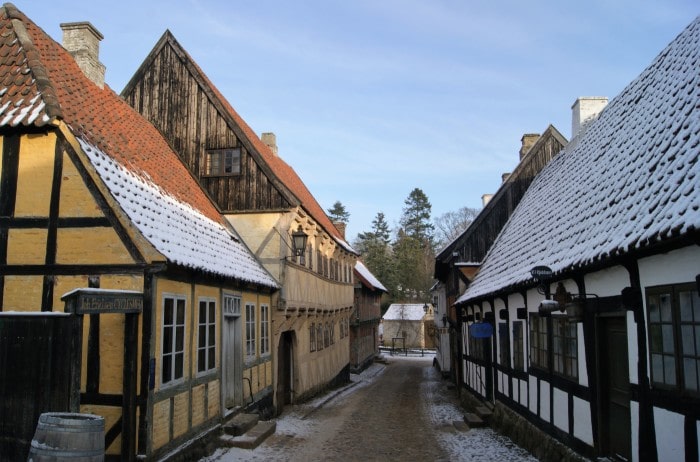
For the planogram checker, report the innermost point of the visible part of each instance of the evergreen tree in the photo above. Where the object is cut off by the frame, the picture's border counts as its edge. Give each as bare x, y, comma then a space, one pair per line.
338, 213
415, 220
376, 251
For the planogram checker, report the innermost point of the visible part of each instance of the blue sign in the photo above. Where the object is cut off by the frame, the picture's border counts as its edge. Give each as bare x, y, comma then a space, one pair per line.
481, 330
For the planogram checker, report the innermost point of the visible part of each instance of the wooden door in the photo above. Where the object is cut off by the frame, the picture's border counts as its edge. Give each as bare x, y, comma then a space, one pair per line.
232, 360
614, 385
285, 370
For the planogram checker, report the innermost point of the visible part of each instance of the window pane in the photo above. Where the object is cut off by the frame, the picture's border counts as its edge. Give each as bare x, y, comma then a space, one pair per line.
201, 358
688, 339
665, 307
212, 310
179, 361
180, 338
168, 311
212, 334
685, 301
657, 368
202, 312
690, 372
653, 302
202, 341
167, 340
211, 361
655, 333
696, 305
181, 312
670, 370
166, 375
667, 333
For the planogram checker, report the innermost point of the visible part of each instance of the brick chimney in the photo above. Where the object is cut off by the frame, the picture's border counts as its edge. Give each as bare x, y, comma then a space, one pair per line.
82, 41
271, 141
528, 140
584, 110
340, 226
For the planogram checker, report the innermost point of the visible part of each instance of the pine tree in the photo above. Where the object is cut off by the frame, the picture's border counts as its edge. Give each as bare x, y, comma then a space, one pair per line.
338, 213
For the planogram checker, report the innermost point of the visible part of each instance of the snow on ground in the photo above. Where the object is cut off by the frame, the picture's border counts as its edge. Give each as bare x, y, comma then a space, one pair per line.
441, 407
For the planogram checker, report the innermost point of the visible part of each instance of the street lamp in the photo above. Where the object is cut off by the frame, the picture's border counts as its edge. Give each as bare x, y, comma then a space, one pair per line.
298, 242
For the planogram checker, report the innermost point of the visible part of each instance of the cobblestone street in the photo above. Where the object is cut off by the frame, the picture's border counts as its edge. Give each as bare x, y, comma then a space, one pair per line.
400, 411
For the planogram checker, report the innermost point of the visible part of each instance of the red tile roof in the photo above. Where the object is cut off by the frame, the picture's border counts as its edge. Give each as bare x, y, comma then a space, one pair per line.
35, 65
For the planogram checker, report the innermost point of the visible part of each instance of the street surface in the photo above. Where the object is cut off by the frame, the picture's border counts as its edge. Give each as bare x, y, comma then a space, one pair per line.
394, 412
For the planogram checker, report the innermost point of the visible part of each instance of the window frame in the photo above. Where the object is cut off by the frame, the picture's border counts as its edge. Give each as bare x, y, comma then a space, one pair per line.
565, 348
209, 325
221, 162
518, 346
539, 351
264, 329
173, 353
679, 359
250, 331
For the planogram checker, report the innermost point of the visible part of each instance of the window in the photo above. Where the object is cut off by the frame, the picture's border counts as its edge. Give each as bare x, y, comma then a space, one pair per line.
250, 329
565, 347
538, 341
319, 336
206, 336
312, 337
264, 329
503, 344
173, 350
674, 337
221, 162
232, 305
476, 346
518, 361
332, 332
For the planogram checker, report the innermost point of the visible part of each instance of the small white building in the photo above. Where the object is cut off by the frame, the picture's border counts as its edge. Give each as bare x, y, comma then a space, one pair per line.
409, 325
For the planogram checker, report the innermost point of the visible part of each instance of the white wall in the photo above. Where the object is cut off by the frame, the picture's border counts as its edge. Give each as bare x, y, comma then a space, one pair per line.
670, 442
561, 409
583, 429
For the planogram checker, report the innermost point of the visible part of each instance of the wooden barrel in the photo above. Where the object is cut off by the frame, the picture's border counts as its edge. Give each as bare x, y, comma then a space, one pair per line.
68, 436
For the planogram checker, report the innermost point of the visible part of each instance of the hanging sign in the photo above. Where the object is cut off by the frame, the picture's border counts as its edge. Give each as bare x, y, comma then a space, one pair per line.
98, 301
541, 273
481, 330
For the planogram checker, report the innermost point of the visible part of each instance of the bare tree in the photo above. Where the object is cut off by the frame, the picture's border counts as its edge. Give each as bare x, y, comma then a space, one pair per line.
450, 225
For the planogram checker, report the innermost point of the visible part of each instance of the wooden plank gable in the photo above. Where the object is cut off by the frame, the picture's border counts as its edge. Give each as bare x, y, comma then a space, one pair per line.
171, 92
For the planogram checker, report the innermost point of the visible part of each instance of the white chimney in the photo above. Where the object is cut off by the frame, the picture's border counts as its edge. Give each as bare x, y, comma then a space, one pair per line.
585, 109
485, 199
82, 41
271, 141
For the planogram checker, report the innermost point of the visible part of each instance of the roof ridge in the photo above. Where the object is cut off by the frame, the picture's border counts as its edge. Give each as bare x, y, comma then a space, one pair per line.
34, 63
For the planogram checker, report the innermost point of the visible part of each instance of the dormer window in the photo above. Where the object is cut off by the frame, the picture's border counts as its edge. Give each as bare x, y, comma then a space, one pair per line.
223, 162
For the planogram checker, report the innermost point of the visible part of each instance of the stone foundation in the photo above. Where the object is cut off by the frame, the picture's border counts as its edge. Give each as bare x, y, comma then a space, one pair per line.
523, 433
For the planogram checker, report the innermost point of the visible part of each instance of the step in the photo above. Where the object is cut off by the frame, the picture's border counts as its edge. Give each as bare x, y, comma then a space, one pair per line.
484, 412
252, 438
461, 426
240, 423
473, 420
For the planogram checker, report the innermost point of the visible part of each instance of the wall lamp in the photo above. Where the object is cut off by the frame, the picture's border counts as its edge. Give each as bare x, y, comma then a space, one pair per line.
299, 242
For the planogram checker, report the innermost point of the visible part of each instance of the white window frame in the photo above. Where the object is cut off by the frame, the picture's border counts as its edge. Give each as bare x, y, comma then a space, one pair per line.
173, 353
250, 331
209, 326
264, 329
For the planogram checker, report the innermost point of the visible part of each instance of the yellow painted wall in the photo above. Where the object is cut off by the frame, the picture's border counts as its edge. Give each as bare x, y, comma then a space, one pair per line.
22, 293
161, 423
111, 415
79, 246
198, 405
214, 398
181, 405
35, 174
76, 200
26, 246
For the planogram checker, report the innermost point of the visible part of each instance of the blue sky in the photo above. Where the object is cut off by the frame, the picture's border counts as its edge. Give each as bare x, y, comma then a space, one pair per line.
370, 99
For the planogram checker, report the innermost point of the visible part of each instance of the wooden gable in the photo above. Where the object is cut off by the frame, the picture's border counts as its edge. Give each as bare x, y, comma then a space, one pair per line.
171, 92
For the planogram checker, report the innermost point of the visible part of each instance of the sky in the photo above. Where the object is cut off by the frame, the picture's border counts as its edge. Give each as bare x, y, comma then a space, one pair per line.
370, 99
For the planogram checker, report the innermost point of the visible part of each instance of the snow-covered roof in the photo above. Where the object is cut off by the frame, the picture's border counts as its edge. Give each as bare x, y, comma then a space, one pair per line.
404, 311
181, 233
630, 181
367, 275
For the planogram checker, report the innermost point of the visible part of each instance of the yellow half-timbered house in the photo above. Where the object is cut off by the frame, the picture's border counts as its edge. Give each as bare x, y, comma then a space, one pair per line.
100, 219
270, 206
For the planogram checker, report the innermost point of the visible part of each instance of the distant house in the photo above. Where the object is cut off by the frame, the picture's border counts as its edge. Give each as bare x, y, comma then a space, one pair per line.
274, 214
364, 324
458, 262
593, 285
408, 325
100, 218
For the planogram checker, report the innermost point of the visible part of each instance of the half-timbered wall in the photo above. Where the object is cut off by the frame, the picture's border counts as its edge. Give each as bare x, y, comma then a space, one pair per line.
170, 97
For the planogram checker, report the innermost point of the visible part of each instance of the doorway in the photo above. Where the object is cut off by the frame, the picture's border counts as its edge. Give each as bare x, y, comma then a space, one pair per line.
285, 370
233, 362
614, 428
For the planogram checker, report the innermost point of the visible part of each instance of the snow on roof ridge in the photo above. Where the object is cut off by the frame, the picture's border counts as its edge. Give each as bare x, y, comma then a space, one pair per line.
368, 276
